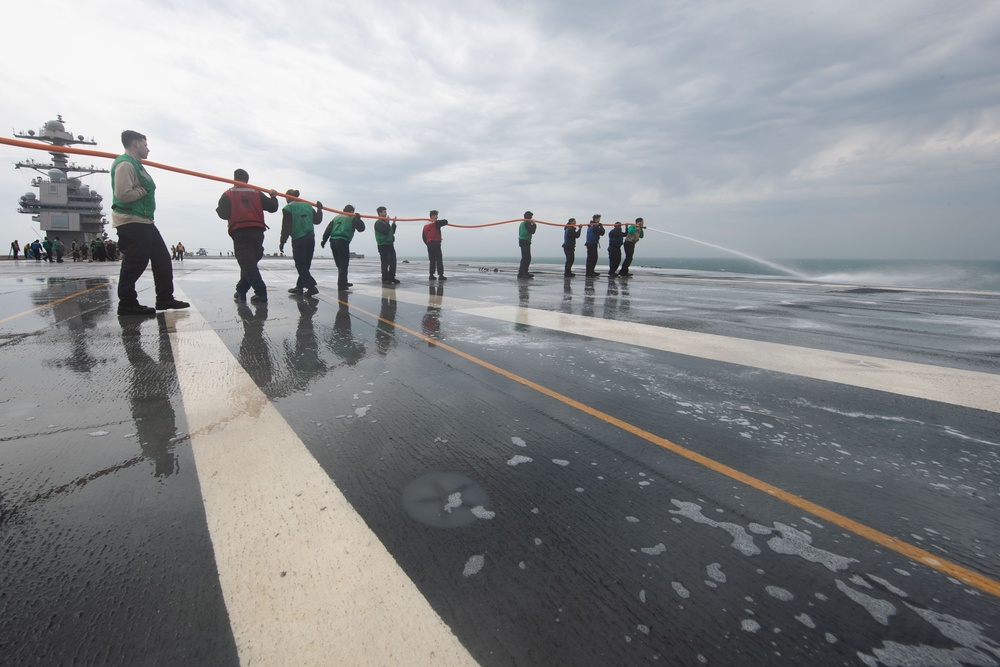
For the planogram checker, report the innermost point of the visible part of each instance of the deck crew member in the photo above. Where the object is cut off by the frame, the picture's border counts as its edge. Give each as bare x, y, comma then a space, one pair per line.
524, 233
244, 206
340, 232
616, 237
432, 239
595, 230
385, 238
133, 204
570, 235
632, 235
297, 221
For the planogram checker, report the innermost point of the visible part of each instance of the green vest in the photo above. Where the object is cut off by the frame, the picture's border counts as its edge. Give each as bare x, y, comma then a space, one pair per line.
302, 219
385, 238
143, 207
524, 232
343, 228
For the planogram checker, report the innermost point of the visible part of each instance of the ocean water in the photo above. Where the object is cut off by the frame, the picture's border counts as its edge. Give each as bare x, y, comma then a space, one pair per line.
974, 275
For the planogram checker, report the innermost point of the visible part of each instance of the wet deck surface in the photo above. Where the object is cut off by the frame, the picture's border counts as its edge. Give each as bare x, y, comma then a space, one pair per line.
493, 472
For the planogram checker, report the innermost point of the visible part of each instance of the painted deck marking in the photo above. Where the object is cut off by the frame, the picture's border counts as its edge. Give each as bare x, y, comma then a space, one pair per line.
922, 556
305, 581
970, 389
53, 303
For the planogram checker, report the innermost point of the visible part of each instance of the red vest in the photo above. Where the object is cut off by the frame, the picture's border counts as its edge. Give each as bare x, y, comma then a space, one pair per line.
432, 232
245, 208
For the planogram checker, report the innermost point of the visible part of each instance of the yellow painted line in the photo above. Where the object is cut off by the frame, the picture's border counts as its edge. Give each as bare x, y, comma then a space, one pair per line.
305, 580
954, 386
906, 549
53, 303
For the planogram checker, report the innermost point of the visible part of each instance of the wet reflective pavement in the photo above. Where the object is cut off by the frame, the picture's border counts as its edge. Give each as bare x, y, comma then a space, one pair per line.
672, 469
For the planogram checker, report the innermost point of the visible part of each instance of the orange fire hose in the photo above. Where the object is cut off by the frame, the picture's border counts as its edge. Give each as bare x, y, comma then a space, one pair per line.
197, 174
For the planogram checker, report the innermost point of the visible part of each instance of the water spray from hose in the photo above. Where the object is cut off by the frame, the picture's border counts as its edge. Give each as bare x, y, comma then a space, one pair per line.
773, 265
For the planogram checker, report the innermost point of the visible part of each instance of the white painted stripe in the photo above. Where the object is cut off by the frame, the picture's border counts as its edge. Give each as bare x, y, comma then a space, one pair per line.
970, 389
305, 581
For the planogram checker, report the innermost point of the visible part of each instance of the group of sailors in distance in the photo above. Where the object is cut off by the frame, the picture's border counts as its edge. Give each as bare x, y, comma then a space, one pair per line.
243, 206
619, 238
340, 231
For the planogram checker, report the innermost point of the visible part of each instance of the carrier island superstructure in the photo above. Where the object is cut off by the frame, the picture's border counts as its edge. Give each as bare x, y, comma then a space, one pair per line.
64, 207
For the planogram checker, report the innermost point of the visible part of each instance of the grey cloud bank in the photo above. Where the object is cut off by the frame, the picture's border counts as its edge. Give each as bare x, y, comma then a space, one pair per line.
779, 129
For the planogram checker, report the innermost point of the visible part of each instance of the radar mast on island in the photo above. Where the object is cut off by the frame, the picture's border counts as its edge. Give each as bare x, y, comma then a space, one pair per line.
64, 207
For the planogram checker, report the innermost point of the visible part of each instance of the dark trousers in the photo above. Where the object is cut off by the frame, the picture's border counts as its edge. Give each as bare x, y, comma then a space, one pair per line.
522, 270
614, 259
435, 257
341, 249
629, 251
141, 245
387, 259
570, 252
591, 258
248, 246
302, 254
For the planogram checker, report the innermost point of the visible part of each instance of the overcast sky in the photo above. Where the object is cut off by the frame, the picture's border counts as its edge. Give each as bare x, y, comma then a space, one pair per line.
781, 128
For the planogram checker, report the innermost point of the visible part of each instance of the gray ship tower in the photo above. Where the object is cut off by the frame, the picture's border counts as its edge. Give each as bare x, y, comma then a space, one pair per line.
64, 207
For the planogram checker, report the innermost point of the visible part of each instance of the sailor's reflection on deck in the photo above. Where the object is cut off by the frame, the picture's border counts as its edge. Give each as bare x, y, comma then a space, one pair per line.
385, 329
611, 301
523, 302
255, 353
430, 325
342, 342
77, 315
625, 305
566, 306
152, 381
588, 298
304, 361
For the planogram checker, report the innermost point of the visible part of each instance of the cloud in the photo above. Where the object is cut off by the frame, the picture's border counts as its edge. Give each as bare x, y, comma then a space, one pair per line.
786, 129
